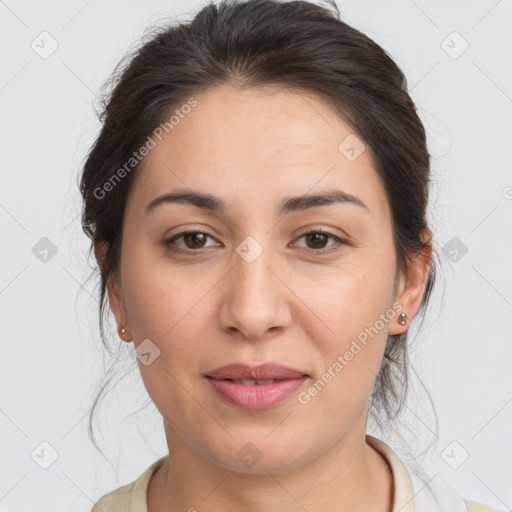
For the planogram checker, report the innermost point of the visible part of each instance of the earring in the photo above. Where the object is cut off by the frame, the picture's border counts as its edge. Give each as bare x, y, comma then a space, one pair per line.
403, 319
123, 330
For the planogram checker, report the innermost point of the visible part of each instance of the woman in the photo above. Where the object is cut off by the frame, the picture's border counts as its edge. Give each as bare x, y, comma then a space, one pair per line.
257, 205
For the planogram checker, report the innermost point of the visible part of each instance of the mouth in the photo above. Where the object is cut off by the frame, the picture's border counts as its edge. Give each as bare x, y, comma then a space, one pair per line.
252, 382
255, 394
262, 374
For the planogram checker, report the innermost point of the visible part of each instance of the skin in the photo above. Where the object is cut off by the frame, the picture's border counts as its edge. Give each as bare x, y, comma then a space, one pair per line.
291, 305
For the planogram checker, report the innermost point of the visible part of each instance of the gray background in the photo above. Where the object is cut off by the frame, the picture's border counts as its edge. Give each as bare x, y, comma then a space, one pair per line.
51, 353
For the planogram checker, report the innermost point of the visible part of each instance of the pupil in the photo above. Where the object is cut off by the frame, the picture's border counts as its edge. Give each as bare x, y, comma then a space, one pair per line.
194, 237
316, 237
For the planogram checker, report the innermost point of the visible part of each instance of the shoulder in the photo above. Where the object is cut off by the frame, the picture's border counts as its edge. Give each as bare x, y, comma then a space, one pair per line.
115, 501
474, 506
130, 497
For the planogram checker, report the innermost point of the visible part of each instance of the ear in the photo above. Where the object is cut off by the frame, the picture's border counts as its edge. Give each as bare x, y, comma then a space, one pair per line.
114, 292
412, 285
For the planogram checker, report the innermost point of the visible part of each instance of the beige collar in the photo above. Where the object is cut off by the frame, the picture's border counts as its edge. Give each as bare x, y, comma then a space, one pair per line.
403, 497
403, 500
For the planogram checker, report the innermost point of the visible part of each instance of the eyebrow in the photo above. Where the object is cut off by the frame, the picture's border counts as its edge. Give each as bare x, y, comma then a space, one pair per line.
289, 204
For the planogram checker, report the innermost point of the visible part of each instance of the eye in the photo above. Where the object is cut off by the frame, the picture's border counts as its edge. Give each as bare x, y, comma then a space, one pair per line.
318, 238
193, 240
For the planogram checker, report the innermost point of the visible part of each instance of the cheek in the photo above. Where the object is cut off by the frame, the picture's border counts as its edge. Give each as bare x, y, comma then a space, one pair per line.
357, 310
173, 308
350, 300
166, 310
157, 295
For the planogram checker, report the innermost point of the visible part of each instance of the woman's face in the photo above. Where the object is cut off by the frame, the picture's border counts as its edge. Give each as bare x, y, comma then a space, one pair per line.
250, 287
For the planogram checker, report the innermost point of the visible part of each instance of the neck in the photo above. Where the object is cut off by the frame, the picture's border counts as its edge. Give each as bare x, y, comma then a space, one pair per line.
349, 477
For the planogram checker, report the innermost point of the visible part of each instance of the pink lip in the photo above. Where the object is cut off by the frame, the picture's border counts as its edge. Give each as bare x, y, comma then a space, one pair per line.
259, 372
257, 396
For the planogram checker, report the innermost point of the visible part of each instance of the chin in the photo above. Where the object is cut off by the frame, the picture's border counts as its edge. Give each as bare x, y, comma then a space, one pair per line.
257, 458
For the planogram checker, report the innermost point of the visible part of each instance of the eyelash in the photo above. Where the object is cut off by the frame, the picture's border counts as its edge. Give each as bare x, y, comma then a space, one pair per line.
168, 243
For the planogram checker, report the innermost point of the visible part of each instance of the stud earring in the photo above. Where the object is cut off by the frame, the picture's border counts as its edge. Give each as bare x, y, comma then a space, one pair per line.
123, 330
403, 319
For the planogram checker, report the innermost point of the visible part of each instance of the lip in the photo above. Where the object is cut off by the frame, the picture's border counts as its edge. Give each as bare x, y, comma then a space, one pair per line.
260, 372
255, 396
258, 396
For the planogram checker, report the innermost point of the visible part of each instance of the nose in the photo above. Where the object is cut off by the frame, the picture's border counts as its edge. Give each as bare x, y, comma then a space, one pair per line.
256, 298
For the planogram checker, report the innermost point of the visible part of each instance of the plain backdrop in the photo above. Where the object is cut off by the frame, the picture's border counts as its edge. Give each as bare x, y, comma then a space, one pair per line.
54, 57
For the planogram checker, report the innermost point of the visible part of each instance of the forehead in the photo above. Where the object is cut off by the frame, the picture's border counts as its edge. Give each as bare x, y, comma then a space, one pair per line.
248, 144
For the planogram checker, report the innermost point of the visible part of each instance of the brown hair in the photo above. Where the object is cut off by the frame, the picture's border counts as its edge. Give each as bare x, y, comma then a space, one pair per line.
255, 43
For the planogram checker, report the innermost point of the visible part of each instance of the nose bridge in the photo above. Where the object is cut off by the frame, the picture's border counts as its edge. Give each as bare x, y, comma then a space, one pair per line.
253, 280
255, 302
252, 261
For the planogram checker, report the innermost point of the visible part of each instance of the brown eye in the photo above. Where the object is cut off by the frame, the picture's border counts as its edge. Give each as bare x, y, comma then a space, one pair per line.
193, 240
196, 240
316, 240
